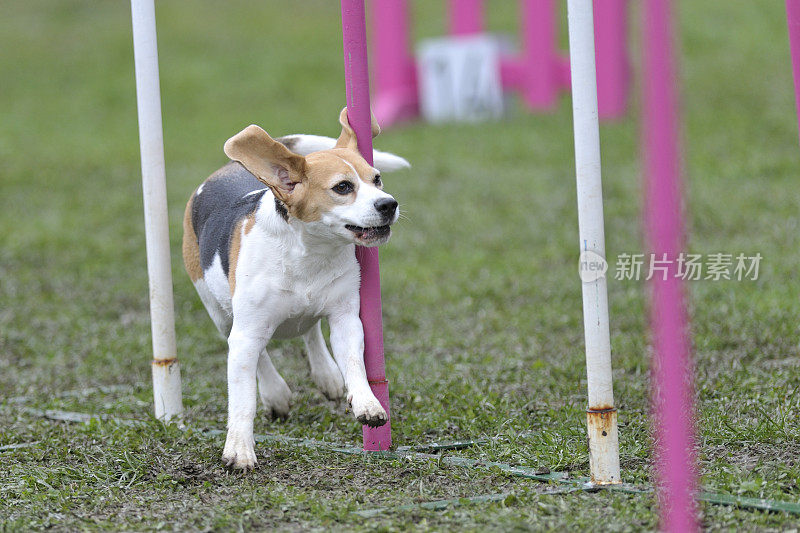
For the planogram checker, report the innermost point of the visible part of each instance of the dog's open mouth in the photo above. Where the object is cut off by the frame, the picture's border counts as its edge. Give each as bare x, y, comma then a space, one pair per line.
369, 234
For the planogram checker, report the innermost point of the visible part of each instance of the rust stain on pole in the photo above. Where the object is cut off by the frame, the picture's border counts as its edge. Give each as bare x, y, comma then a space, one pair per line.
164, 362
601, 423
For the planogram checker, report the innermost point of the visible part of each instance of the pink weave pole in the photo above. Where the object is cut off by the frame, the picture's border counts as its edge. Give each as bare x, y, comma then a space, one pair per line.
793, 21
466, 16
541, 82
611, 45
356, 75
663, 217
394, 70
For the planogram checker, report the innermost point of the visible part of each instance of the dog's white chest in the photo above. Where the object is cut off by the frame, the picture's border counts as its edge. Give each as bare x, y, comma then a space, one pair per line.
301, 303
293, 288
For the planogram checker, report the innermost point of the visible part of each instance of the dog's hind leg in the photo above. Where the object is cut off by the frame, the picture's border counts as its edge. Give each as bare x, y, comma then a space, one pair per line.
221, 318
273, 390
324, 370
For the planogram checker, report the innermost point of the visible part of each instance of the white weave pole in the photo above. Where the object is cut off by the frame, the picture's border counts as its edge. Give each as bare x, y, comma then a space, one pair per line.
601, 415
166, 370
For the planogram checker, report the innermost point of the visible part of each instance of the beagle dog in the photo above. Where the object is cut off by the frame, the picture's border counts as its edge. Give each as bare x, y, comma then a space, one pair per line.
269, 242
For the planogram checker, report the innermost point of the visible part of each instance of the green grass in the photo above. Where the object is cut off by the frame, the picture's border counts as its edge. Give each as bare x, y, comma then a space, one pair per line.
481, 298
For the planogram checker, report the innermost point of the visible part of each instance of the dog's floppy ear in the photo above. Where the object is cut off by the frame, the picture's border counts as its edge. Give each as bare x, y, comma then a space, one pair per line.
347, 139
267, 159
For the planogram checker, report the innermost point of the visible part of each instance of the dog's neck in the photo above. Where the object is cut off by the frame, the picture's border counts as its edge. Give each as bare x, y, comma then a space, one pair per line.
314, 243
300, 240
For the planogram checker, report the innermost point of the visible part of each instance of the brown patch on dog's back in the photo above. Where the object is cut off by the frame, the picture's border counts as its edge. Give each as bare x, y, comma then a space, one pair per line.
191, 250
233, 257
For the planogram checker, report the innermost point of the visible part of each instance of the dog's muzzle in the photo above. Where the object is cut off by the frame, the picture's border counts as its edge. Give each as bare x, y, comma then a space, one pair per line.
370, 235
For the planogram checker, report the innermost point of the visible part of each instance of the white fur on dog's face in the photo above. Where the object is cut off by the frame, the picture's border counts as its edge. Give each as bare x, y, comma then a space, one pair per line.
351, 213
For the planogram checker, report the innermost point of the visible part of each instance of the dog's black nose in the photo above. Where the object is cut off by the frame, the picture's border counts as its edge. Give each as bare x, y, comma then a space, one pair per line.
386, 207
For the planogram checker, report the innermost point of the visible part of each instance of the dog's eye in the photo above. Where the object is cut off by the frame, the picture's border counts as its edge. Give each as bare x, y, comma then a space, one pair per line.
343, 187
377, 181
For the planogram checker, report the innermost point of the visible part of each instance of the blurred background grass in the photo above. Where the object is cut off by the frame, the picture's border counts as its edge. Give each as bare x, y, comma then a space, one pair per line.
481, 298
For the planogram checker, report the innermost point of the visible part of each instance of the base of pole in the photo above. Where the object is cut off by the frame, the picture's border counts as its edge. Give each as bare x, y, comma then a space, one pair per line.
379, 438
601, 425
167, 394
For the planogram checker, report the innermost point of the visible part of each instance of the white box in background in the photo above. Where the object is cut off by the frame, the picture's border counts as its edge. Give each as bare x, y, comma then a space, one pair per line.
459, 79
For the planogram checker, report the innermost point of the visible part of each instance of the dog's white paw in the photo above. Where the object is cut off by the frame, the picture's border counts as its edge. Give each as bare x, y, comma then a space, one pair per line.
367, 410
239, 452
276, 398
330, 382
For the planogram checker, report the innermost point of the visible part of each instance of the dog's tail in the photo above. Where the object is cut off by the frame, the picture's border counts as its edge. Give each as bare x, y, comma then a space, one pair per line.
305, 144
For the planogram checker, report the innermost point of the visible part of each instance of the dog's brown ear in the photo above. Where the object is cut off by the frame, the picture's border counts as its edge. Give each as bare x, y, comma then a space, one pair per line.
347, 139
268, 160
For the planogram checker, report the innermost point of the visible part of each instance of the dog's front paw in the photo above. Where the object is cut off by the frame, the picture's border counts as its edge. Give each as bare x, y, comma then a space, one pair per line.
330, 382
367, 410
239, 452
276, 398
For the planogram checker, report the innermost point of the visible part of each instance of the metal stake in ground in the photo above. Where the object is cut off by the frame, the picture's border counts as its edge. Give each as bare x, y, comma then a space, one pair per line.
356, 73
601, 415
166, 371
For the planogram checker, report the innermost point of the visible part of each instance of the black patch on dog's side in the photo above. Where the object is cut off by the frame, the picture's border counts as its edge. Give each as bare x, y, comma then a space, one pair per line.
223, 201
281, 209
